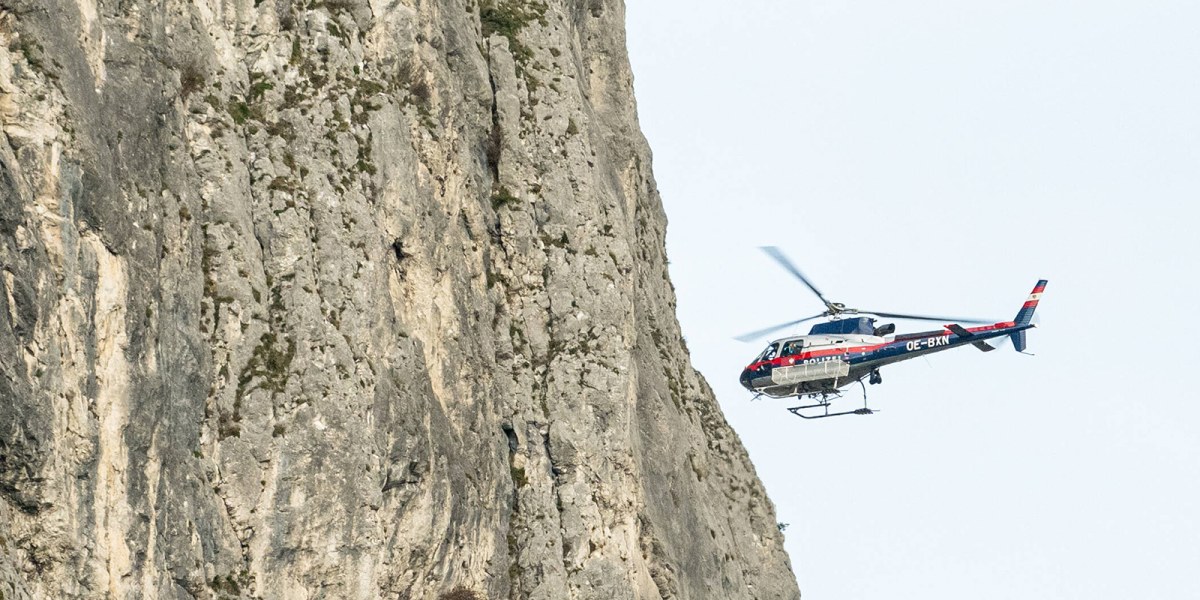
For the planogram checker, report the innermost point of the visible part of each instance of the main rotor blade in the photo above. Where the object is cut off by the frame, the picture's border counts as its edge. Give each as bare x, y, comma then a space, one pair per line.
753, 335
783, 261
926, 317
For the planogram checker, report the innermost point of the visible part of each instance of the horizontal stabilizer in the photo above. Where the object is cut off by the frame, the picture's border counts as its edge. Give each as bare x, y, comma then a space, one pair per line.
983, 346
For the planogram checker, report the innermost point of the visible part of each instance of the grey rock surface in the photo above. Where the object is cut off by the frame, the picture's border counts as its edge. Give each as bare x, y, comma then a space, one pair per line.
348, 299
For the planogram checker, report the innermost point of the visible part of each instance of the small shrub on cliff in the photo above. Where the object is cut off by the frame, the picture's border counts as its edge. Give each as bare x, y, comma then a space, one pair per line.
502, 197
518, 476
336, 6
32, 51
504, 19
507, 19
191, 79
461, 593
239, 111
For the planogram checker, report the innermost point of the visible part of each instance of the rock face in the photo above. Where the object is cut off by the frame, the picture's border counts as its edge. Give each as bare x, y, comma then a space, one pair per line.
348, 299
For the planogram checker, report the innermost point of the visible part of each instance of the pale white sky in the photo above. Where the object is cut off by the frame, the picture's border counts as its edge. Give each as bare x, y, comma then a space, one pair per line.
941, 157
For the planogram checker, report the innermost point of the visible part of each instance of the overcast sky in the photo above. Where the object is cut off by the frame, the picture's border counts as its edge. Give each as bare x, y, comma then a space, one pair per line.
941, 157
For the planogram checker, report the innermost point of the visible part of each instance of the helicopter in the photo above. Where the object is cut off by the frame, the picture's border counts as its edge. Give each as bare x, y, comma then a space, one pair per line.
848, 347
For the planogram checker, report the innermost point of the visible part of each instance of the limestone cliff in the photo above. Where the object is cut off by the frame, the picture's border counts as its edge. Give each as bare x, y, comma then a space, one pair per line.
348, 299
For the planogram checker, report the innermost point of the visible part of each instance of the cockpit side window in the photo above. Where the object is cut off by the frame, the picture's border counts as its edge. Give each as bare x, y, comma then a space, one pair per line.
793, 347
769, 353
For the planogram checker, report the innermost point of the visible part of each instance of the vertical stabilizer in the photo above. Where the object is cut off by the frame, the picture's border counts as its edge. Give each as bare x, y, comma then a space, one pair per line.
1025, 315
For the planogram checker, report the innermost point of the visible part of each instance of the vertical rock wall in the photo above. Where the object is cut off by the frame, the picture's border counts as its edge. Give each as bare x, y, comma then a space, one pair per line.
348, 299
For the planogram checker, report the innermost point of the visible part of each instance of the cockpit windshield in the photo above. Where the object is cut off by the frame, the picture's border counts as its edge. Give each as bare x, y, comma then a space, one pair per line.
771, 352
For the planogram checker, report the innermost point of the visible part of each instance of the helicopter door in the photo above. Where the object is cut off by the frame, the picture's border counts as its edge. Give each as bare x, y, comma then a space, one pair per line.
792, 348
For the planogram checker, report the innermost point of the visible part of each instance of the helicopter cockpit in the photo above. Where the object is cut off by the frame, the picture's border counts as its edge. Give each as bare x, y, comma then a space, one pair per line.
771, 352
782, 348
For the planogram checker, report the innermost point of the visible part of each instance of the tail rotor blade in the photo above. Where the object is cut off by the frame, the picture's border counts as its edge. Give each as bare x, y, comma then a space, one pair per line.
784, 262
753, 335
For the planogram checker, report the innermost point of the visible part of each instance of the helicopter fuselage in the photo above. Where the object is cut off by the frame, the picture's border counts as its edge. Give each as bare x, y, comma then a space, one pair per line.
821, 364
849, 347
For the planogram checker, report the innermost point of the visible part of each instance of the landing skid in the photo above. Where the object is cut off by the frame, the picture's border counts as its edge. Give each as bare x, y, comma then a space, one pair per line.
825, 401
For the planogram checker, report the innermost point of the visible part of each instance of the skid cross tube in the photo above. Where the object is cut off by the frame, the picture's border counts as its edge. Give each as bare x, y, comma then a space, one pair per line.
795, 410
826, 401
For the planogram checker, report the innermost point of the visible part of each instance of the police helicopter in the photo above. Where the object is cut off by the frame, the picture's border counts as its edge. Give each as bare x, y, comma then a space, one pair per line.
848, 347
